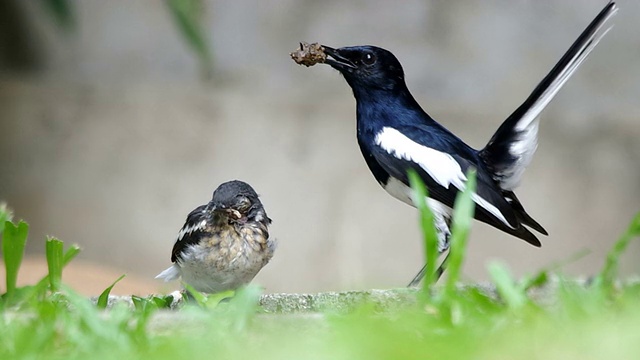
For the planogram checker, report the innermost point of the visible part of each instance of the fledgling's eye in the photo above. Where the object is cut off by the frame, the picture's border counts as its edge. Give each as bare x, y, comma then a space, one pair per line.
369, 59
243, 203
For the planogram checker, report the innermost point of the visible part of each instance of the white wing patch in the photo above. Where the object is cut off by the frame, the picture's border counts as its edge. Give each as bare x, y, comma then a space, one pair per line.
442, 167
191, 228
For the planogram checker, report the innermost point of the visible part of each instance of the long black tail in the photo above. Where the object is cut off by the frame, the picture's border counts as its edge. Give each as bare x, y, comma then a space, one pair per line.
511, 148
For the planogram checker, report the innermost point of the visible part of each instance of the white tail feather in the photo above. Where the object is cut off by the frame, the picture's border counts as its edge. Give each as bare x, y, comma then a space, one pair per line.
170, 274
525, 146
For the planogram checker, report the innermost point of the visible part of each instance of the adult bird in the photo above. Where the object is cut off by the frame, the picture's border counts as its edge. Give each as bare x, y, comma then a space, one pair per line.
395, 134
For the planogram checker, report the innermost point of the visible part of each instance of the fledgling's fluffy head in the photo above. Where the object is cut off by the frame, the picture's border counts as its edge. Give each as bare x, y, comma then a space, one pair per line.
238, 201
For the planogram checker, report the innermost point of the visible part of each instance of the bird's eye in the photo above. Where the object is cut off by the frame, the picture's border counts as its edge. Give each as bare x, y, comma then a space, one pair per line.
369, 59
243, 203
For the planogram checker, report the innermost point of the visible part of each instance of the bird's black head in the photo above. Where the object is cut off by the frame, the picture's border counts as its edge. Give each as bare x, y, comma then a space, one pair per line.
366, 67
237, 201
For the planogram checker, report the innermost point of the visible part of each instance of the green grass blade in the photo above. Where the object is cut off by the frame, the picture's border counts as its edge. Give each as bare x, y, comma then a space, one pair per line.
213, 300
509, 291
55, 262
244, 305
143, 305
428, 230
71, 253
62, 12
14, 240
542, 276
538, 280
138, 302
209, 301
200, 298
186, 14
463, 211
162, 301
5, 215
103, 299
609, 272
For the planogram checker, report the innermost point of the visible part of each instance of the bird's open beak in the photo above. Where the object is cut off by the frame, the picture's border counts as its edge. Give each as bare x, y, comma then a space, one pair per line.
336, 60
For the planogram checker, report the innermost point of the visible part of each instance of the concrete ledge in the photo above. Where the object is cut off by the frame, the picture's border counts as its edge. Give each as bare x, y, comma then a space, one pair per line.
336, 301
341, 302
283, 303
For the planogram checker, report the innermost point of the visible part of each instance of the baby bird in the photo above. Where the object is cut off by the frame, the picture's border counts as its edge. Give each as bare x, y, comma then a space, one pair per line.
223, 244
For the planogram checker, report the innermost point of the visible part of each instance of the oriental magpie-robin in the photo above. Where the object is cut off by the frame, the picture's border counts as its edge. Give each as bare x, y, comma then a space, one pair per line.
223, 244
396, 135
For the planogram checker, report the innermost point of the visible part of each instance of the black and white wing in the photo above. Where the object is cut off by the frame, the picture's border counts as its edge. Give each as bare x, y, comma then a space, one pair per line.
192, 231
444, 176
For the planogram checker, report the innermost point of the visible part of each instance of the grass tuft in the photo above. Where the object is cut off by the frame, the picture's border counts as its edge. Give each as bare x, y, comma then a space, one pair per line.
513, 295
463, 211
14, 239
50, 320
430, 236
606, 278
55, 254
103, 299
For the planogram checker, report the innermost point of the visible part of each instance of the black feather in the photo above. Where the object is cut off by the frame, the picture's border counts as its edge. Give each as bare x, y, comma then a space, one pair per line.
193, 237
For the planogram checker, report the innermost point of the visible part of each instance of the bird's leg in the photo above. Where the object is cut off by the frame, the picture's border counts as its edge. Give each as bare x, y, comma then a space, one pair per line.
442, 223
443, 266
420, 275
416, 279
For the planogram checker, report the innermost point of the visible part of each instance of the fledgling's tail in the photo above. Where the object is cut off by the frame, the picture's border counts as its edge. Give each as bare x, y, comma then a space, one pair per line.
511, 148
171, 273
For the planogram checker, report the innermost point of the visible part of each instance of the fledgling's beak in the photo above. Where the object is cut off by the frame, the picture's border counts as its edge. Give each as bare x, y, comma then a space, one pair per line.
336, 60
226, 211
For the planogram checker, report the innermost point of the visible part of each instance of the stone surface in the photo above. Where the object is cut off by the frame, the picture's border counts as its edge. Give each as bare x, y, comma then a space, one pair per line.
346, 301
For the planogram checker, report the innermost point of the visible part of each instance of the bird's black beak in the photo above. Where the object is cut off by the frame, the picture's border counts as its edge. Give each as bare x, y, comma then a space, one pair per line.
336, 60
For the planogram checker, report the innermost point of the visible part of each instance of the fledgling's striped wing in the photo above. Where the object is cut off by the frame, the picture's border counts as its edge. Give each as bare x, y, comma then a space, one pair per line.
192, 231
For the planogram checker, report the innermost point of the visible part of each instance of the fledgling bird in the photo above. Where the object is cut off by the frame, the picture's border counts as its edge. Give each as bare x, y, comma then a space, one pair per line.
223, 244
396, 135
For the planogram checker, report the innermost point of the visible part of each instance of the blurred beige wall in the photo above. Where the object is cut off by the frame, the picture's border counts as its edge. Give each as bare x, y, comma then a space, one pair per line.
109, 135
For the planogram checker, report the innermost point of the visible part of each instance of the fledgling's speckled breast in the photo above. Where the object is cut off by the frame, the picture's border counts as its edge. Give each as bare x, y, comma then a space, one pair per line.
231, 256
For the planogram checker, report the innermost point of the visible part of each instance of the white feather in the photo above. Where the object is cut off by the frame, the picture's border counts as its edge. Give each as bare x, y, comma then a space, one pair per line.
442, 167
399, 190
191, 228
441, 212
523, 150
